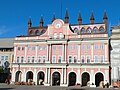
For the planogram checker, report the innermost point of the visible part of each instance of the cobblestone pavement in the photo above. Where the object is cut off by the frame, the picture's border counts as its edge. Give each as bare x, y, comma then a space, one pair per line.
26, 87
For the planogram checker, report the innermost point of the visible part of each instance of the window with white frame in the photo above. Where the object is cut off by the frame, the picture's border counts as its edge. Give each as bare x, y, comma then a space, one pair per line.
44, 59
39, 59
83, 59
6, 58
23, 48
59, 47
53, 59
18, 48
18, 59
33, 58
28, 59
70, 47
40, 48
82, 47
61, 36
55, 36
75, 47
54, 47
95, 47
22, 59
33, 47
88, 59
2, 58
44, 48
88, 47
59, 59
96, 58
101, 59
101, 46
29, 47
75, 59
70, 59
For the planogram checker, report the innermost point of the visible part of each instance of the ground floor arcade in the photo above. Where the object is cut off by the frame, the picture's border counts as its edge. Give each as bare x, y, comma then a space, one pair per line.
61, 75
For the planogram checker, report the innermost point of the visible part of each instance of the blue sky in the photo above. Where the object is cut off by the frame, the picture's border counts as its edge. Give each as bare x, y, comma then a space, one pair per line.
14, 14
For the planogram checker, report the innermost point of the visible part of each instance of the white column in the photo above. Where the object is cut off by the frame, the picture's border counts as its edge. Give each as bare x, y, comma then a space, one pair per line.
92, 56
63, 58
106, 76
61, 77
35, 76
13, 76
36, 54
46, 75
47, 53
92, 77
25, 53
50, 51
78, 53
106, 53
15, 50
24, 75
65, 76
65, 52
78, 77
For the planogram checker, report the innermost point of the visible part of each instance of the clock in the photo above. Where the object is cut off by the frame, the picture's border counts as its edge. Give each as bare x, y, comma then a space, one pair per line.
58, 25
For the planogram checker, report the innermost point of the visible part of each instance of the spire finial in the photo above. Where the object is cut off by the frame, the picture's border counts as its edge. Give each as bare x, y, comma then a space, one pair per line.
29, 23
105, 15
41, 22
66, 16
53, 17
79, 18
92, 18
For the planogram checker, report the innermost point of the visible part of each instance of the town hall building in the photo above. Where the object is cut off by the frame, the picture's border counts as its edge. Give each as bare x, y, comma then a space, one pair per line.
63, 54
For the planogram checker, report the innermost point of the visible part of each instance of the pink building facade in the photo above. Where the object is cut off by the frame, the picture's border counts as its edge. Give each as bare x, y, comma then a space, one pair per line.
63, 54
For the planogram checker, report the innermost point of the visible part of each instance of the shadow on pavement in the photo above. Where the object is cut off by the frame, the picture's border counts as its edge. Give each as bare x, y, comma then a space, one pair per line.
6, 88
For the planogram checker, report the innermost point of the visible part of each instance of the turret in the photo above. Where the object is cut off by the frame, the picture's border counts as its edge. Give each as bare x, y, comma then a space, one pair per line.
53, 18
92, 18
41, 22
79, 19
29, 23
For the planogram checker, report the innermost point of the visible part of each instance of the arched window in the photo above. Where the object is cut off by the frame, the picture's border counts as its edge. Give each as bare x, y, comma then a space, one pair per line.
101, 30
96, 59
37, 32
53, 59
88, 59
44, 59
70, 59
88, 30
17, 59
75, 30
82, 59
59, 59
31, 32
94, 31
33, 58
75, 59
39, 59
28, 59
82, 31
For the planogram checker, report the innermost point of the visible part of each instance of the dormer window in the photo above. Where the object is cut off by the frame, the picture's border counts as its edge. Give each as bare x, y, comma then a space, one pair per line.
88, 31
61, 36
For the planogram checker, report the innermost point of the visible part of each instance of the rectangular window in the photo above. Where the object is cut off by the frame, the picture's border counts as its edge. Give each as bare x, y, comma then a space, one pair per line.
88, 59
95, 47
101, 59
28, 59
82, 47
75, 47
54, 47
33, 59
40, 48
60, 47
70, 59
23, 48
18, 48
22, 59
44, 59
70, 47
82, 59
2, 58
88, 47
59, 59
33, 48
6, 58
17, 59
101, 47
53, 59
96, 58
75, 59
44, 48
29, 47
39, 59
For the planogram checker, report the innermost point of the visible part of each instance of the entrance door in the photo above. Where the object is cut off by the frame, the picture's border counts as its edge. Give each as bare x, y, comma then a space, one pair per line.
98, 79
85, 78
72, 79
56, 79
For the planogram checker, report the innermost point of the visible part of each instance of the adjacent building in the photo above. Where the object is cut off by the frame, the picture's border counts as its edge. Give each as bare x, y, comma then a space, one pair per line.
63, 54
115, 53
